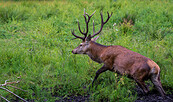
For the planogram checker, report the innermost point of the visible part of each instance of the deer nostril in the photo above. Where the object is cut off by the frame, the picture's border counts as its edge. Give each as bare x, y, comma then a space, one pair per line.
73, 52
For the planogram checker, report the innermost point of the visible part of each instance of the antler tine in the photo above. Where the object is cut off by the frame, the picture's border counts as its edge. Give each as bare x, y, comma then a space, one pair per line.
84, 11
108, 17
102, 24
93, 28
91, 15
72, 31
80, 28
86, 21
85, 15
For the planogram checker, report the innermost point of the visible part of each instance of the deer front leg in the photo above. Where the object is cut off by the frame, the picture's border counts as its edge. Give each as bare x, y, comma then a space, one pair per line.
101, 70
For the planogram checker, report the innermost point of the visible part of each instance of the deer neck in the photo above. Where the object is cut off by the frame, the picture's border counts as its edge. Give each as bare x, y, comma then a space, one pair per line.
95, 51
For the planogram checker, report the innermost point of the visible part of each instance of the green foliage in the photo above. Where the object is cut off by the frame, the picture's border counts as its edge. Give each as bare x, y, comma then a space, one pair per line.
35, 43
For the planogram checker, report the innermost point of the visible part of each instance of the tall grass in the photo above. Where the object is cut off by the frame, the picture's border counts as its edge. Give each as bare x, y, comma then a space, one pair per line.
35, 43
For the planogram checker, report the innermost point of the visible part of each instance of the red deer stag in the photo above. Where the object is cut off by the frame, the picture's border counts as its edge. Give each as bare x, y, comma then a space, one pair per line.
117, 58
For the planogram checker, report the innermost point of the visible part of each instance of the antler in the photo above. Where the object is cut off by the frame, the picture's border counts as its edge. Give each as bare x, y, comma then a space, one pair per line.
102, 24
86, 21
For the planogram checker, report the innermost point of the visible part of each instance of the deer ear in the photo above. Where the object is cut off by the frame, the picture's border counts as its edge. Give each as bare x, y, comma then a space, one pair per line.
88, 38
94, 39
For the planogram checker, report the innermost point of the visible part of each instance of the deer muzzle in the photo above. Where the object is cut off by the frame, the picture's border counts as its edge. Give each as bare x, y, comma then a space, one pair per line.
74, 51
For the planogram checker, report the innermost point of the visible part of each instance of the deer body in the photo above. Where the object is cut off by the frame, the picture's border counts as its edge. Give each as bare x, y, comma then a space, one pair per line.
119, 59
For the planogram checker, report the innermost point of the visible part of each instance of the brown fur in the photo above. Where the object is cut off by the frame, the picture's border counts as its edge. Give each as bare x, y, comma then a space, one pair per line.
125, 62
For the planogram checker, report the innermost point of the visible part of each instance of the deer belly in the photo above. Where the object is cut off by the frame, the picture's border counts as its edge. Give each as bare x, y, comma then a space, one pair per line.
121, 70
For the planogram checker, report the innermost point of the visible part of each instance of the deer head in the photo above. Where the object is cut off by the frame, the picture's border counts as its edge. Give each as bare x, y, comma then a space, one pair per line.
87, 39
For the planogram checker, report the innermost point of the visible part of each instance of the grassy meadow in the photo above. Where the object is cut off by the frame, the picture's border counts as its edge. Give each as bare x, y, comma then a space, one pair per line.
36, 44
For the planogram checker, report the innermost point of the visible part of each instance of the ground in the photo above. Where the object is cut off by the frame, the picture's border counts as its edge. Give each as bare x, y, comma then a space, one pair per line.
152, 96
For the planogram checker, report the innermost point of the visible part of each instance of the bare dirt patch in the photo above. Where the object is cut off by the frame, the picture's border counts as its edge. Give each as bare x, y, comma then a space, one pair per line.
153, 96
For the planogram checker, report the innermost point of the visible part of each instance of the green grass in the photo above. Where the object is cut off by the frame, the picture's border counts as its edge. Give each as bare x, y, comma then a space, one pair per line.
35, 43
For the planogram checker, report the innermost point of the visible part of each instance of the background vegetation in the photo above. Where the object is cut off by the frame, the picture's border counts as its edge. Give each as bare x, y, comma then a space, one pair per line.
35, 43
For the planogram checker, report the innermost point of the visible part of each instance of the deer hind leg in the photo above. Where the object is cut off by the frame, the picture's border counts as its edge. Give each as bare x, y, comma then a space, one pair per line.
161, 85
155, 79
142, 85
101, 70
